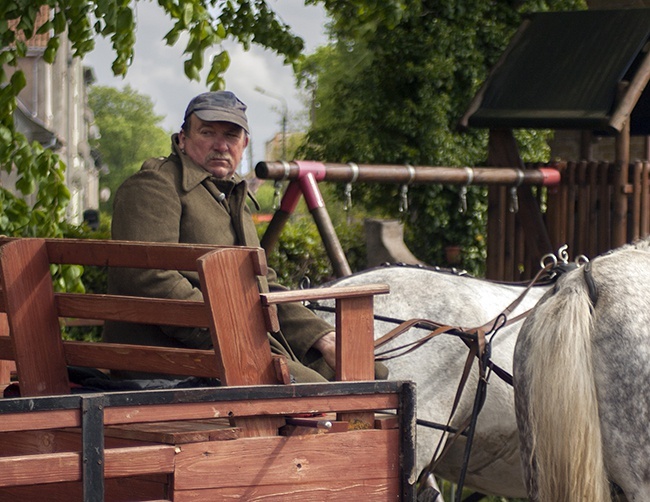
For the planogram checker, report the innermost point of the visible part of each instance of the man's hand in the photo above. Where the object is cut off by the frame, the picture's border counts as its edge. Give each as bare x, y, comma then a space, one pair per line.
326, 345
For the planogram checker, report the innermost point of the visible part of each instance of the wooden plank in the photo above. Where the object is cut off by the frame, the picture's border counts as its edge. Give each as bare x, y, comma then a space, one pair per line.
39, 420
355, 349
605, 213
496, 233
593, 222
133, 309
635, 210
32, 317
645, 199
375, 490
231, 292
582, 211
35, 469
139, 460
503, 152
52, 441
619, 180
116, 490
66, 466
278, 297
189, 362
570, 216
315, 404
176, 432
509, 262
289, 460
130, 254
554, 205
354, 339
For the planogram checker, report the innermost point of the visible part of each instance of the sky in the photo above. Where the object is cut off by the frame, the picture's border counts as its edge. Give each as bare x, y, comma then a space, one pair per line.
157, 71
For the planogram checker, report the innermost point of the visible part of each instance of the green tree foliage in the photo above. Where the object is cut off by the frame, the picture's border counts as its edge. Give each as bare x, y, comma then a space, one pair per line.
392, 92
130, 133
205, 23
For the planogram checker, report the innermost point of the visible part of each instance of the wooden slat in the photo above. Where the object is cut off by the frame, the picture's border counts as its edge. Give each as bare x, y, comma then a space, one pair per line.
555, 203
375, 490
232, 294
195, 411
355, 349
605, 213
496, 233
278, 297
595, 226
189, 362
130, 254
582, 210
39, 420
350, 457
645, 199
354, 340
635, 202
176, 432
116, 490
133, 309
236, 308
66, 466
34, 323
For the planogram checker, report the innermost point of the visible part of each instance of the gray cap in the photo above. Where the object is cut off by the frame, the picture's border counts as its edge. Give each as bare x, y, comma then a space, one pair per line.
219, 106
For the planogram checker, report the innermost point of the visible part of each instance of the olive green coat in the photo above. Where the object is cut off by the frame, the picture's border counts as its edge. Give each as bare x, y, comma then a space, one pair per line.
173, 200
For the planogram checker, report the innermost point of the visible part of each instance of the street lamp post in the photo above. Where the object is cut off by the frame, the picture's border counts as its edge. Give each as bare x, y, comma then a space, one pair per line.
283, 102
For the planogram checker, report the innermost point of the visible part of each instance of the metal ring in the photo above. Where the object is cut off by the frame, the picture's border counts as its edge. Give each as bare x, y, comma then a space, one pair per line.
547, 260
520, 177
355, 171
470, 175
411, 170
287, 169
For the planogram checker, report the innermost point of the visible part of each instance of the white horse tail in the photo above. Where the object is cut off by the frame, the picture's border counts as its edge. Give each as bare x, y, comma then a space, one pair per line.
562, 413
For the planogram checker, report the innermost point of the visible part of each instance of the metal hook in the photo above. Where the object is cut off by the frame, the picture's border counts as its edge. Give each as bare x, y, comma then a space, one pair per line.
514, 199
404, 190
462, 204
278, 184
348, 187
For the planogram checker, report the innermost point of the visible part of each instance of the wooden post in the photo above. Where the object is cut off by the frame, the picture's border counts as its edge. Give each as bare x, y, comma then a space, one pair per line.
503, 151
230, 287
621, 173
32, 317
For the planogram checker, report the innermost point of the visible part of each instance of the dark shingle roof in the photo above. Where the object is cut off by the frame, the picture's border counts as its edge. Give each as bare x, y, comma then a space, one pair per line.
563, 69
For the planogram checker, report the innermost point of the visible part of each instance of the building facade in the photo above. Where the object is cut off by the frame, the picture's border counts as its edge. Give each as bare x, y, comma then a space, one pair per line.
53, 110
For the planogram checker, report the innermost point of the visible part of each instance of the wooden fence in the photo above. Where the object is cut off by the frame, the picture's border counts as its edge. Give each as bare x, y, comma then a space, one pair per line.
578, 212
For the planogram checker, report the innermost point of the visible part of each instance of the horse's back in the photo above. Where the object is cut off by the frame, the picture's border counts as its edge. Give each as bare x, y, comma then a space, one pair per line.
467, 302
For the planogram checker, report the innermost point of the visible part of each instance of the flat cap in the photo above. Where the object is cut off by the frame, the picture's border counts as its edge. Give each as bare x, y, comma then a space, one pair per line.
219, 106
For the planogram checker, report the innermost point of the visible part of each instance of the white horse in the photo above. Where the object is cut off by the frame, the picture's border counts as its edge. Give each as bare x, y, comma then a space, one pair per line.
436, 368
582, 369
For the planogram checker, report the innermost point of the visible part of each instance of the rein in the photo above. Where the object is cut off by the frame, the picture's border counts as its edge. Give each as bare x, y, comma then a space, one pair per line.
479, 341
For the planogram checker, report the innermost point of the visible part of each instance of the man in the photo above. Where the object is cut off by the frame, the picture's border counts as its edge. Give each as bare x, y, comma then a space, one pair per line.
195, 196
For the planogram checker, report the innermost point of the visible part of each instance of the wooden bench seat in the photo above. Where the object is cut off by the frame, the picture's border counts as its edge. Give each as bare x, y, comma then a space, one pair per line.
176, 427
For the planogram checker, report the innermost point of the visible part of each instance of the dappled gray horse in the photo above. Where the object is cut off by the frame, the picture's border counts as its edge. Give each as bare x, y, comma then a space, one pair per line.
582, 368
466, 302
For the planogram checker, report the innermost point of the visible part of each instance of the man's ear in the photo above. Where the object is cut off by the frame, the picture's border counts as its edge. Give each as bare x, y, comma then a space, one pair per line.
181, 139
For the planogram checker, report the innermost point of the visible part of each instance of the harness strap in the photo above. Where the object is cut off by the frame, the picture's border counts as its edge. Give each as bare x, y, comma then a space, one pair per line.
476, 349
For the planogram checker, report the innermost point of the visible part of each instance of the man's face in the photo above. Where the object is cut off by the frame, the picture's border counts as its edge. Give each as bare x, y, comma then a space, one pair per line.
215, 146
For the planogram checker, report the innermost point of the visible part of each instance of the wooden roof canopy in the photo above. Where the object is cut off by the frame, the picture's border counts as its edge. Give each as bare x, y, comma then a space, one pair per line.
585, 70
